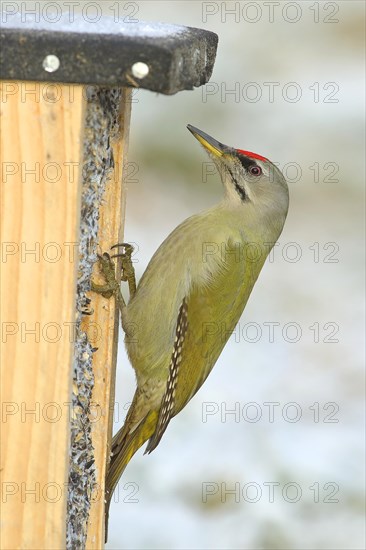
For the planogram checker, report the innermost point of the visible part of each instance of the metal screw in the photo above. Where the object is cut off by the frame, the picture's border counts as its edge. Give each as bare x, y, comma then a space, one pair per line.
140, 70
51, 63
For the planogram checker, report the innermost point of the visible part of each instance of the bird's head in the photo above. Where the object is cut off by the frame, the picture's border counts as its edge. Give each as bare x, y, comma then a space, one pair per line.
249, 179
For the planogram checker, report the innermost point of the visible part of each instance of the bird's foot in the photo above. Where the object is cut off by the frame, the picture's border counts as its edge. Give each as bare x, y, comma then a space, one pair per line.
111, 286
128, 271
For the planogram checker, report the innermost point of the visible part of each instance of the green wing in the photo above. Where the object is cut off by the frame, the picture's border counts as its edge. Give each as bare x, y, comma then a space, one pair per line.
206, 319
213, 312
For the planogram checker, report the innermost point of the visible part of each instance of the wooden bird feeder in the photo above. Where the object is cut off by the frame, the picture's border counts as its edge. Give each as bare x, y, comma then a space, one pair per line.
65, 114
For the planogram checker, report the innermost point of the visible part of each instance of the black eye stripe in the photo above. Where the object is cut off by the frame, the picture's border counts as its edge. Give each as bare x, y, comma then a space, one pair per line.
246, 162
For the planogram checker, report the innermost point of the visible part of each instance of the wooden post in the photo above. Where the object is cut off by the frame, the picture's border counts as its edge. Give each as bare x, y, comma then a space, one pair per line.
112, 214
60, 194
39, 216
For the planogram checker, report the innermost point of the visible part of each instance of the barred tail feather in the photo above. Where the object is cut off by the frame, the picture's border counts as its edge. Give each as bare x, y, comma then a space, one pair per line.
124, 446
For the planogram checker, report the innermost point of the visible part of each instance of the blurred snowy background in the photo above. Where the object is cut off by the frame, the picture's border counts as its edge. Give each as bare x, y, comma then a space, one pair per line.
285, 468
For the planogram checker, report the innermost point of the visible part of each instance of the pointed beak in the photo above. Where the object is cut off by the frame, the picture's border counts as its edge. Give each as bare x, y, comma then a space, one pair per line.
212, 145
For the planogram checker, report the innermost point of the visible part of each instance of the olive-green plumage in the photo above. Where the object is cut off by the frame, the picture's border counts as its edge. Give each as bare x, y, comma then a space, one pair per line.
192, 295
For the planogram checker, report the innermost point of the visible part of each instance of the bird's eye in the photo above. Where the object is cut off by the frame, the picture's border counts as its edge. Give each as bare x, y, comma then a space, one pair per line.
255, 170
